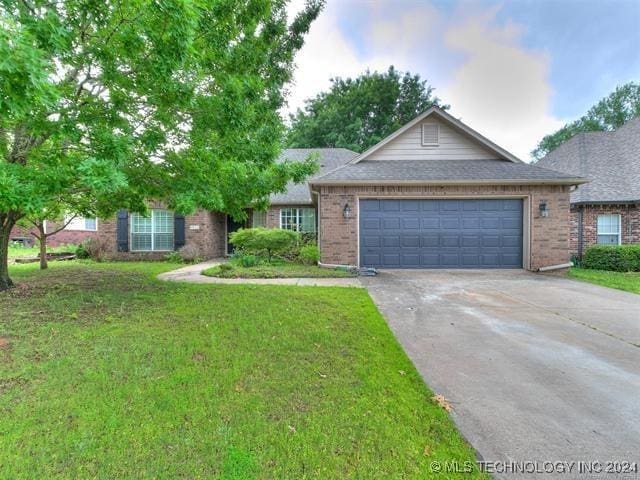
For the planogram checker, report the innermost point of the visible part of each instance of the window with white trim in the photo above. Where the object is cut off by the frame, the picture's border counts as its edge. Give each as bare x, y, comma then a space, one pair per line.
259, 218
609, 229
298, 219
81, 223
153, 233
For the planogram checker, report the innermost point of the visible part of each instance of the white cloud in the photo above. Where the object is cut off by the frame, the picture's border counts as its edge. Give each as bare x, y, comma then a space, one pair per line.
326, 54
501, 89
492, 82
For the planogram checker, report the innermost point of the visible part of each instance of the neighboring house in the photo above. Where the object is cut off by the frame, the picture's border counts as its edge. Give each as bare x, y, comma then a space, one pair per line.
606, 210
434, 194
77, 231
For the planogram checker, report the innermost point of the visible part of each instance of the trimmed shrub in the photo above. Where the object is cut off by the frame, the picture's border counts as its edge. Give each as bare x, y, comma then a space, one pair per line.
615, 258
96, 248
267, 241
309, 254
189, 253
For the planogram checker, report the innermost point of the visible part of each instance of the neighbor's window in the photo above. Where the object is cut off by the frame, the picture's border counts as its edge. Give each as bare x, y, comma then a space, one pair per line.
609, 229
153, 233
259, 219
298, 219
81, 223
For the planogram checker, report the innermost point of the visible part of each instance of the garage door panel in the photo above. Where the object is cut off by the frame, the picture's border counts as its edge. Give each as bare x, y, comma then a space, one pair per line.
443, 233
391, 241
370, 206
370, 223
412, 223
371, 241
391, 223
431, 223
410, 205
411, 241
390, 205
450, 223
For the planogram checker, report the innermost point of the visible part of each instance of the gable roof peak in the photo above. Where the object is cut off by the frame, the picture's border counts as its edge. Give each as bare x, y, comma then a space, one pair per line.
449, 119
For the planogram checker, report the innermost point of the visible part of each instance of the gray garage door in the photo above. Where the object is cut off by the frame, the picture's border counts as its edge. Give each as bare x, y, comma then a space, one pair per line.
478, 233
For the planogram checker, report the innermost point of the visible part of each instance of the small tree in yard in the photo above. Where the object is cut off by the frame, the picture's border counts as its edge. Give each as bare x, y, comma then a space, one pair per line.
264, 240
121, 101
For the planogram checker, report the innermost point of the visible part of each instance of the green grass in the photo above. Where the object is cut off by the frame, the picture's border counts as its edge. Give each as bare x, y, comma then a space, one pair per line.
18, 251
277, 270
106, 372
629, 282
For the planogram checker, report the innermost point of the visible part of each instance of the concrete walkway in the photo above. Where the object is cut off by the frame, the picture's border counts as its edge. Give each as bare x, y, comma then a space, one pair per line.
193, 274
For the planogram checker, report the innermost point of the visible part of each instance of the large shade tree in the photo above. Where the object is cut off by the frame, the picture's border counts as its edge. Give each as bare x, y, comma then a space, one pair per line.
358, 113
126, 100
611, 112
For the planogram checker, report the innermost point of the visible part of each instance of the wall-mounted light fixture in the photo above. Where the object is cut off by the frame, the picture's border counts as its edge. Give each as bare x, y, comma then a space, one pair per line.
346, 211
544, 209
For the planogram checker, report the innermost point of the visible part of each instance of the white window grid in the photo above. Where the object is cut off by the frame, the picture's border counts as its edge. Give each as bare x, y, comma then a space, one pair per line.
259, 218
298, 219
153, 233
609, 226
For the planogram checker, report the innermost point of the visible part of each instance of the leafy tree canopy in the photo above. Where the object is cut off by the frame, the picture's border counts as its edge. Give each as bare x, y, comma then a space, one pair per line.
611, 112
358, 113
134, 99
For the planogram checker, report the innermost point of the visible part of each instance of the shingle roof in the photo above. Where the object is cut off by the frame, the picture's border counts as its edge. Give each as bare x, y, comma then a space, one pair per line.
610, 160
443, 171
329, 159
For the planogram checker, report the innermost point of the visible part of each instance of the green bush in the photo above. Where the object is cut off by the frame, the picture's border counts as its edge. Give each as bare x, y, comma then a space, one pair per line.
81, 251
261, 241
246, 260
615, 258
309, 254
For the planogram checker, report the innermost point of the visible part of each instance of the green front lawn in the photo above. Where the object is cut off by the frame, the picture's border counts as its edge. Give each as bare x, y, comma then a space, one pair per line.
629, 282
276, 270
106, 372
20, 252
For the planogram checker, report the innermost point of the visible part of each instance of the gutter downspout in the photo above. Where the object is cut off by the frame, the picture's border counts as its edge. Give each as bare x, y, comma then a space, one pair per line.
580, 230
318, 210
555, 267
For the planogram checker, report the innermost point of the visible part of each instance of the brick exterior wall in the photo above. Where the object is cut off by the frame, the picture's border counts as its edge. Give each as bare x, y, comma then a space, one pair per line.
63, 237
208, 237
629, 224
548, 237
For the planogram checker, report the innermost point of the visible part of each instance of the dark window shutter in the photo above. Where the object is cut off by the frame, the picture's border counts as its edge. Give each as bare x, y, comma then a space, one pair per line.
178, 231
122, 231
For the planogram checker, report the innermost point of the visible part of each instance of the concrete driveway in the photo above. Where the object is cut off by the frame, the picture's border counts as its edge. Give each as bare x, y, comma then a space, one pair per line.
537, 368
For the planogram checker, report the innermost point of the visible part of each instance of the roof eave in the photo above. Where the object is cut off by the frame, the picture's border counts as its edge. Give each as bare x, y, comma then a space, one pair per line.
607, 202
559, 181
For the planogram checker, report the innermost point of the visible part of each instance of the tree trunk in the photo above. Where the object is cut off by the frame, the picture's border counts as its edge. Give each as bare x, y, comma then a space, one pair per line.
43, 247
5, 234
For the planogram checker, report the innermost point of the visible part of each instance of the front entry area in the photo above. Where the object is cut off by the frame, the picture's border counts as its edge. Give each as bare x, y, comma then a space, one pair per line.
441, 233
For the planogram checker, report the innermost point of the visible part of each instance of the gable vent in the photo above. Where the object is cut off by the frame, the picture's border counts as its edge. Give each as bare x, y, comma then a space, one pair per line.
430, 134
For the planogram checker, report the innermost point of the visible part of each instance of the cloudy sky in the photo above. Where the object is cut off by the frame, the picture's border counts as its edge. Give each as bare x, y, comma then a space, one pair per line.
513, 70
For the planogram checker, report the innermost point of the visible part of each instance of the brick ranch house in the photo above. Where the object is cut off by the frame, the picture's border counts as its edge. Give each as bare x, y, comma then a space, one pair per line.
606, 210
434, 194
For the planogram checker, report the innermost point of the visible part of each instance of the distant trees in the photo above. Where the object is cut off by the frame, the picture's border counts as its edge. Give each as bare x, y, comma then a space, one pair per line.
611, 112
358, 113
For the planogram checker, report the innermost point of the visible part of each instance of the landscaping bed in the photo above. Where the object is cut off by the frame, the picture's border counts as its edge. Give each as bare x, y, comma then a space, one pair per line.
277, 270
106, 372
